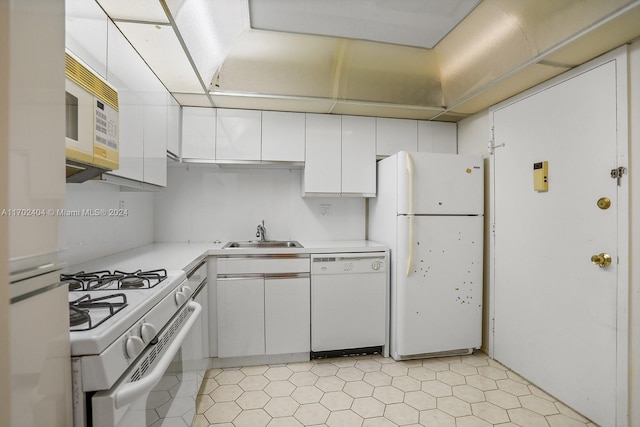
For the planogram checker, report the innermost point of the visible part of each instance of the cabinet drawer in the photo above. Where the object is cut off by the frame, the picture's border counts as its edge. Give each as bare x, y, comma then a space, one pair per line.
264, 265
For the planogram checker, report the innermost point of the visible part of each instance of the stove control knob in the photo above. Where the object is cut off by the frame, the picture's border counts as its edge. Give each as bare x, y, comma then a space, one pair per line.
181, 298
147, 332
133, 346
187, 291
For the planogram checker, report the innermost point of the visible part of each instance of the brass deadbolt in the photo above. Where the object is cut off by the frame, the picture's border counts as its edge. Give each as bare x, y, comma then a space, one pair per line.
604, 203
601, 260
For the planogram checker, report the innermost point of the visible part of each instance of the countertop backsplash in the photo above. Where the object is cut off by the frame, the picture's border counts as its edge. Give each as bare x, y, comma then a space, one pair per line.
100, 220
209, 203
202, 203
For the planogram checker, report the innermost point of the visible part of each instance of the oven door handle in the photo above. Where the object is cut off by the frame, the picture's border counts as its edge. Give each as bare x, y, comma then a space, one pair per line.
130, 392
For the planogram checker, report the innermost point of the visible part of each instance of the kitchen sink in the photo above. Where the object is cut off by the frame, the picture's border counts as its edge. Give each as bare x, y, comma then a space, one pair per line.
263, 244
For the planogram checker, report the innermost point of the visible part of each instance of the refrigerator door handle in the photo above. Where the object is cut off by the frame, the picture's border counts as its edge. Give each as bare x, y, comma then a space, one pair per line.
410, 186
410, 190
410, 252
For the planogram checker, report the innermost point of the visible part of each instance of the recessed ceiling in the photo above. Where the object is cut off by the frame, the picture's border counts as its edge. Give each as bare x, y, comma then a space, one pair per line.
418, 23
424, 59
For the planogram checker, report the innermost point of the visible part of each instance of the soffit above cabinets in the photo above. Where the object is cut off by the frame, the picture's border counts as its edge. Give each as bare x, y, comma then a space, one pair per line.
260, 54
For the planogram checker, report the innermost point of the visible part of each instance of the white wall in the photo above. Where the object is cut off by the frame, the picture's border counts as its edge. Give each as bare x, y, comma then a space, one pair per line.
474, 134
634, 215
205, 203
84, 237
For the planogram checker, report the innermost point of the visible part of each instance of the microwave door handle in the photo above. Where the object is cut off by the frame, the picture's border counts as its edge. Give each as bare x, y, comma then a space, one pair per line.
130, 392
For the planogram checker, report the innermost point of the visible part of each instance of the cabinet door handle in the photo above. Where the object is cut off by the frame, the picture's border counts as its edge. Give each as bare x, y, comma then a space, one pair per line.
287, 276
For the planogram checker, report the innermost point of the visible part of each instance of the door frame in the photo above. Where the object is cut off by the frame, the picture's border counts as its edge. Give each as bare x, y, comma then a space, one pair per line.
620, 56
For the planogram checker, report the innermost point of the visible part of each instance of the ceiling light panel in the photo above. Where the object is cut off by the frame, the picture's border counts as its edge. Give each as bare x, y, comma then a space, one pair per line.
419, 23
208, 28
135, 10
160, 48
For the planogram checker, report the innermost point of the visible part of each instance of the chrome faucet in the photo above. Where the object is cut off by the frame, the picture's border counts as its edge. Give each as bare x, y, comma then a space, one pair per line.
261, 232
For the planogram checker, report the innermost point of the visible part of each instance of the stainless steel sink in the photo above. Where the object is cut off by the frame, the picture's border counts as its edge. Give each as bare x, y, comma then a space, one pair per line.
263, 244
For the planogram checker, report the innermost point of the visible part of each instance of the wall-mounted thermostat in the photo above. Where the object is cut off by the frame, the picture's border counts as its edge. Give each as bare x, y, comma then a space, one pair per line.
541, 176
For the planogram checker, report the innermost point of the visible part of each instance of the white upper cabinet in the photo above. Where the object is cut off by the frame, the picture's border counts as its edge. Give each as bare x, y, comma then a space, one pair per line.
393, 135
173, 126
198, 133
437, 137
86, 33
340, 158
155, 144
283, 136
123, 61
323, 157
358, 156
131, 139
142, 113
238, 134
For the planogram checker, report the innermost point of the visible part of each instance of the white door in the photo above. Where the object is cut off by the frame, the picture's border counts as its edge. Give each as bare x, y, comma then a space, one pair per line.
556, 313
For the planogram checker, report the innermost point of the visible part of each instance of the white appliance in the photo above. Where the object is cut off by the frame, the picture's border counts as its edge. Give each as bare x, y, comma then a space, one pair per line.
91, 122
127, 333
349, 303
34, 326
429, 210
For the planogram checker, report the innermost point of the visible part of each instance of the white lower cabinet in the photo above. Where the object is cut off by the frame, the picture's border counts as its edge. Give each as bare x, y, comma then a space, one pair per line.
287, 312
263, 305
258, 316
240, 317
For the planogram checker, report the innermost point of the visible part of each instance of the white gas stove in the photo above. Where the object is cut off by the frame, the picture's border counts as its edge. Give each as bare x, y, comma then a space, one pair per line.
123, 326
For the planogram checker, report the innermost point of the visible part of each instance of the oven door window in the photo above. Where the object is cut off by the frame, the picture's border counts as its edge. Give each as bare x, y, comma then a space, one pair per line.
160, 389
173, 397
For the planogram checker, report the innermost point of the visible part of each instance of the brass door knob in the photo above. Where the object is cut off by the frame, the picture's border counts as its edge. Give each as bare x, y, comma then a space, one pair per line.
601, 260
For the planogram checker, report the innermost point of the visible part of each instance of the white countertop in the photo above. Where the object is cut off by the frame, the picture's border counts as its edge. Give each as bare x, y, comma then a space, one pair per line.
185, 256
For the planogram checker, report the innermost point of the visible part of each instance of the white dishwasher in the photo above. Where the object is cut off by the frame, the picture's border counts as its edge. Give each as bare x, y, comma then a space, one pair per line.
349, 303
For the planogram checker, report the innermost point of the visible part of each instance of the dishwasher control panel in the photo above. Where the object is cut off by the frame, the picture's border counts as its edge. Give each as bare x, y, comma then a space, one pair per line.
350, 263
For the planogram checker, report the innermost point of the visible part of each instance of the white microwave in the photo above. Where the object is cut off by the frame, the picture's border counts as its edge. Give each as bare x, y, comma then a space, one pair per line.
92, 145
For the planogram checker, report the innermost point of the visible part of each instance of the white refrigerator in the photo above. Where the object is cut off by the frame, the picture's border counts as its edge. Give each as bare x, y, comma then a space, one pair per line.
429, 211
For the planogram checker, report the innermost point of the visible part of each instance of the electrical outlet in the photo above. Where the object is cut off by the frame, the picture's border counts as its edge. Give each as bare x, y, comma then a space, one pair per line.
326, 209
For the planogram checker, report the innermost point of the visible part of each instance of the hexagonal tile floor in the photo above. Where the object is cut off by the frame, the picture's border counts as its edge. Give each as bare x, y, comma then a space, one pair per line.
371, 391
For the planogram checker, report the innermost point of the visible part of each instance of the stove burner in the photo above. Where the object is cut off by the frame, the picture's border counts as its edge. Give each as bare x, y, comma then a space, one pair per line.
140, 279
81, 309
107, 280
78, 316
131, 282
103, 281
74, 285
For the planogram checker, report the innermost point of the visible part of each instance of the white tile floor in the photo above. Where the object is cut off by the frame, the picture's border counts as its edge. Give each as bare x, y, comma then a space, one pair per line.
373, 391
